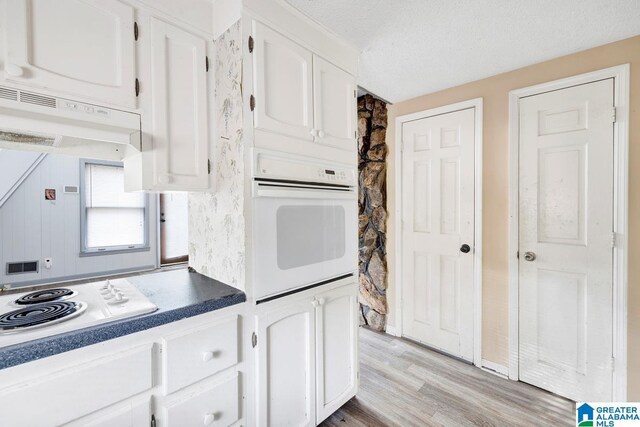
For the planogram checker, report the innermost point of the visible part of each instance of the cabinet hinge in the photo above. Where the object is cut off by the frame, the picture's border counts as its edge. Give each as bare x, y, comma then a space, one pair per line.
254, 340
252, 102
613, 239
135, 31
614, 115
250, 44
355, 93
209, 166
153, 421
206, 62
137, 87
518, 255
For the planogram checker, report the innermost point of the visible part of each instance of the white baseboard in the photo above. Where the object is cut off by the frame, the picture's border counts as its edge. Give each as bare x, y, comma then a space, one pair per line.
391, 330
495, 368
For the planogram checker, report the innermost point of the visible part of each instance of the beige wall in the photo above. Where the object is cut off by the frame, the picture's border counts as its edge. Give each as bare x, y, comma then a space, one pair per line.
495, 92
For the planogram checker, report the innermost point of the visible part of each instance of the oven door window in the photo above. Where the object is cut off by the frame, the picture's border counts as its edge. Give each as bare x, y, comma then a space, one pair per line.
309, 235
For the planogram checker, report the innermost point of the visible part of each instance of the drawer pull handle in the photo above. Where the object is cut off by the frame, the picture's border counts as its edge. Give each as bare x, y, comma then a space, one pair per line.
208, 355
210, 418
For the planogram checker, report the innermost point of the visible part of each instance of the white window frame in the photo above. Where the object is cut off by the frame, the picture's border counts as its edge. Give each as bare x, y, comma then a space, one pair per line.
106, 250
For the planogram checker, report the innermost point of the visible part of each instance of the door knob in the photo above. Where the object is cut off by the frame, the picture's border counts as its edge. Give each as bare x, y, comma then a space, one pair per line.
465, 249
529, 256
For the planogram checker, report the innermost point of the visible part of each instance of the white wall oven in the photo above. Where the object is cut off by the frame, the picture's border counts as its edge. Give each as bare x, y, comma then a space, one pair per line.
304, 225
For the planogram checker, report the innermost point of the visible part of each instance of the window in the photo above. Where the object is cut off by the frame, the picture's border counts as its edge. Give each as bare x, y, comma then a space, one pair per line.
111, 219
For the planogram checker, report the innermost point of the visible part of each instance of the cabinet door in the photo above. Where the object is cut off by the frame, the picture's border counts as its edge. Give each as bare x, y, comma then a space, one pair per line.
178, 103
283, 85
334, 105
286, 366
76, 47
133, 414
337, 349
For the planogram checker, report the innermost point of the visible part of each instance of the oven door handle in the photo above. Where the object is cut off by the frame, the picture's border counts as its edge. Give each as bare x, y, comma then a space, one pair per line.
286, 192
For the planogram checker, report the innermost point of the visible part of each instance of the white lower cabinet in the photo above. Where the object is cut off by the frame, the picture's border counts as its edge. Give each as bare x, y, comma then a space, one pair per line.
216, 405
133, 414
286, 366
185, 373
336, 349
306, 352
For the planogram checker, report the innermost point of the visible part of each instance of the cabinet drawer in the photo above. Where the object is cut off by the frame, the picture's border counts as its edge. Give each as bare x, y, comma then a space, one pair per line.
215, 406
66, 395
197, 354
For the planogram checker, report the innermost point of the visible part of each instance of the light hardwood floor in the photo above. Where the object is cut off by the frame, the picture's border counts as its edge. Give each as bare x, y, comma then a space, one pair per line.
403, 384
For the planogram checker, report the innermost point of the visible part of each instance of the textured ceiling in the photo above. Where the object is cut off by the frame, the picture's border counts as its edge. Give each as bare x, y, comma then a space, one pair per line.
413, 47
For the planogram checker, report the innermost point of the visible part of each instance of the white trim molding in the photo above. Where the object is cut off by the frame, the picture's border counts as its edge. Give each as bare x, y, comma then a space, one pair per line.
621, 75
477, 105
495, 368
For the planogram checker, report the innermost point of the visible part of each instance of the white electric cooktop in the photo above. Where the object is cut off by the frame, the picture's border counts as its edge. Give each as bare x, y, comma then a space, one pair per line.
37, 314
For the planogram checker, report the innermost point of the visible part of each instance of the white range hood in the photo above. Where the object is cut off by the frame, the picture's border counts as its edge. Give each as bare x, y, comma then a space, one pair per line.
36, 122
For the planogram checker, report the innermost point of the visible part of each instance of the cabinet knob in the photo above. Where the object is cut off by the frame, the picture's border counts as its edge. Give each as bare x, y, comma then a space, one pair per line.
208, 419
314, 132
14, 70
321, 301
320, 134
315, 303
208, 355
164, 179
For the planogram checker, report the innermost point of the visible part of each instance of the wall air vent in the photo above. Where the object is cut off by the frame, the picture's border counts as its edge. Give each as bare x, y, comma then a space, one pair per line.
10, 94
22, 267
32, 98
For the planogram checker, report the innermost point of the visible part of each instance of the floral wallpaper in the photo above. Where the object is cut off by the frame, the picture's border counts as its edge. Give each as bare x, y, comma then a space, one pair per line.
216, 219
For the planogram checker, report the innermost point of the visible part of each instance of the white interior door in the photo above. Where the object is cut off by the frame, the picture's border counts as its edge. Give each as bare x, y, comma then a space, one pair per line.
565, 241
438, 220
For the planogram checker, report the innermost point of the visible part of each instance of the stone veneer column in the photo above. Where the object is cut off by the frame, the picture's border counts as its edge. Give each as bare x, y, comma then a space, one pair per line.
372, 201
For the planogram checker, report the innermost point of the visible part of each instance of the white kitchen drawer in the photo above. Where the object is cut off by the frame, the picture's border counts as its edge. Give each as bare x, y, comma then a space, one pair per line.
65, 395
197, 354
215, 406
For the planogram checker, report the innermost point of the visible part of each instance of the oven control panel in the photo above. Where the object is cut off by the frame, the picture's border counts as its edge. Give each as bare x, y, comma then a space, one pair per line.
339, 176
303, 170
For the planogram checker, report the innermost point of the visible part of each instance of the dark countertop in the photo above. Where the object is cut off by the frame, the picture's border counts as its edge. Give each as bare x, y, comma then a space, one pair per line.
179, 294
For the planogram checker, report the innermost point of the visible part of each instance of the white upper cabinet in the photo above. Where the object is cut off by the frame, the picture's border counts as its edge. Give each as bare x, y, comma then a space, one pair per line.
283, 85
300, 95
334, 105
83, 48
178, 108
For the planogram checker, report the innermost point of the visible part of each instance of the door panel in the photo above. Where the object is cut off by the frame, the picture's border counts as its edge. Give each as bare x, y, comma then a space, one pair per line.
334, 105
84, 48
438, 217
337, 348
566, 220
174, 233
283, 85
286, 366
179, 102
